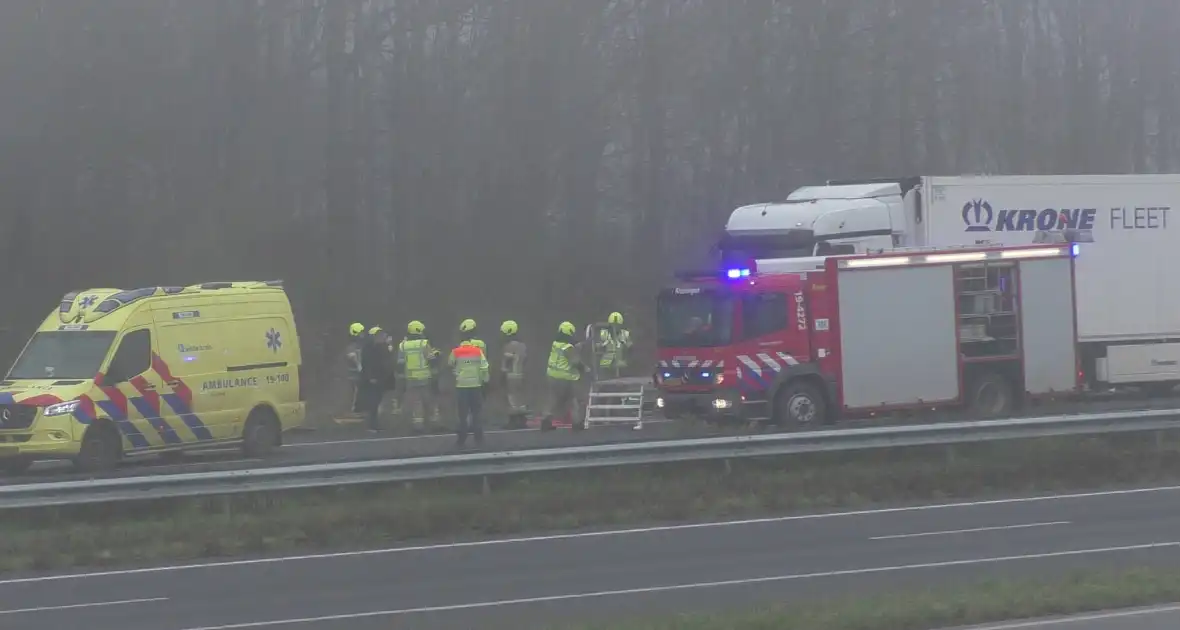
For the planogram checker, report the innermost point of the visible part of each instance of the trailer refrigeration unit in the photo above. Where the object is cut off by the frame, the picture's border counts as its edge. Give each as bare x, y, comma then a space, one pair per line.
1128, 303
805, 340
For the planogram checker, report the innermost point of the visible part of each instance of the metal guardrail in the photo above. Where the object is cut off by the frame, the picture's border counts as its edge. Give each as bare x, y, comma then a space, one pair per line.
539, 460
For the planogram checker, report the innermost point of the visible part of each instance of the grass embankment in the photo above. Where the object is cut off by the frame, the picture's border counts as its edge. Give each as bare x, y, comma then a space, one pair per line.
986, 602
352, 517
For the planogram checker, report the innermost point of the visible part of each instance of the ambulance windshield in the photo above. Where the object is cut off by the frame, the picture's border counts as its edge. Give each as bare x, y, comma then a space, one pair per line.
67, 355
697, 319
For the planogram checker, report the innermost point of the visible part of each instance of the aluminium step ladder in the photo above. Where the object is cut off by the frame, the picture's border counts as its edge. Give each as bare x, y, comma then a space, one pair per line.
617, 401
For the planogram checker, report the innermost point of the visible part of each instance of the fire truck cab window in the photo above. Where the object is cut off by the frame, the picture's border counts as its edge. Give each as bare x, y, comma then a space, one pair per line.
697, 320
763, 314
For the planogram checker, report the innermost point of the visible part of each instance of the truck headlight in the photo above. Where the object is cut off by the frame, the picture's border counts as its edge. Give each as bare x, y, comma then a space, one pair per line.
722, 403
62, 408
660, 402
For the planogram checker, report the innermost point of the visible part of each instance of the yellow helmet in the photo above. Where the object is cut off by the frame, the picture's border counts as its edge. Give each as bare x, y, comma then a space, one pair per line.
374, 330
416, 328
509, 327
468, 325
615, 318
356, 329
566, 328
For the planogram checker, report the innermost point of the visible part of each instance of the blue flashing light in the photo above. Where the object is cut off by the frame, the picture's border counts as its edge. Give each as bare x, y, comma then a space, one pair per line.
705, 374
667, 375
1075, 249
734, 274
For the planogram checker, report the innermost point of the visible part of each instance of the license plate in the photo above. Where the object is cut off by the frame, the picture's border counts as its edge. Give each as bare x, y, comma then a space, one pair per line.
673, 381
9, 451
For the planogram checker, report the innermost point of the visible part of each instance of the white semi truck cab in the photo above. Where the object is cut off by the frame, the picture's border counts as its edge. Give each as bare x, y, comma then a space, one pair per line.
1128, 298
838, 218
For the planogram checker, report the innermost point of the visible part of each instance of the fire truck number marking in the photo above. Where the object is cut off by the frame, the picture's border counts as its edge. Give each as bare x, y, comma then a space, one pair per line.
800, 312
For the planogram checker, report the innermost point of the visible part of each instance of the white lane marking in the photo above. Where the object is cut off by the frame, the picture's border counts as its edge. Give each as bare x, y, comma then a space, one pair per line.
399, 438
683, 587
972, 530
592, 534
1060, 621
18, 611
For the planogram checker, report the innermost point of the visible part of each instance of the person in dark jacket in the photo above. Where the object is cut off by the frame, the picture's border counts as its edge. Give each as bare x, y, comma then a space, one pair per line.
377, 376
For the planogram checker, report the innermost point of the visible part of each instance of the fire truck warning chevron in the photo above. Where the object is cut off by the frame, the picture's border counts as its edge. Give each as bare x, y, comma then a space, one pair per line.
806, 340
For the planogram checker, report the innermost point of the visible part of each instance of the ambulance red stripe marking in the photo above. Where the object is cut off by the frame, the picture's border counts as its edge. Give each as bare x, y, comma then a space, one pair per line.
117, 398
86, 407
40, 400
180, 388
150, 396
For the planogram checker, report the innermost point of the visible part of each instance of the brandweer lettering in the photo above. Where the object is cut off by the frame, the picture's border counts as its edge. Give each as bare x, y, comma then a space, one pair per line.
229, 383
1150, 218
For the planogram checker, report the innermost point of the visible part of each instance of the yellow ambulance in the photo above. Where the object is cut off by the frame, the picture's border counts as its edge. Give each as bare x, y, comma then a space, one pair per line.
112, 373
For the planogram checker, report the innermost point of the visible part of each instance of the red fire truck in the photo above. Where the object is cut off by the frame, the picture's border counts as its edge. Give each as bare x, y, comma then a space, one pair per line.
808, 340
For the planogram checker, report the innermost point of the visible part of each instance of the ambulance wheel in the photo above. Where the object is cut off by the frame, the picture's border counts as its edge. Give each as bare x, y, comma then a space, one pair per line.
261, 435
102, 448
989, 395
799, 403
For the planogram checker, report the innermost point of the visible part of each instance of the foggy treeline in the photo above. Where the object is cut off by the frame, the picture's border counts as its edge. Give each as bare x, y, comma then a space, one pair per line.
538, 160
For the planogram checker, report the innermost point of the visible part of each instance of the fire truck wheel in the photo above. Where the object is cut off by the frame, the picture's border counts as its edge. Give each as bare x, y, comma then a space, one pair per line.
799, 403
990, 395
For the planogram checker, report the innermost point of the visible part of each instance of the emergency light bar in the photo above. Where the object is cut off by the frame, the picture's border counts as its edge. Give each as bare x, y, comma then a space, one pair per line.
931, 259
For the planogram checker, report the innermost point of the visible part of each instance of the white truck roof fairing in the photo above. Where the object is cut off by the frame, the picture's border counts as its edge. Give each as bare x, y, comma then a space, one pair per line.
822, 216
846, 191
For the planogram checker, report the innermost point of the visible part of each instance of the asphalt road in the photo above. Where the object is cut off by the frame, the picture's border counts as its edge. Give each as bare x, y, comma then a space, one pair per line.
537, 582
1155, 618
353, 444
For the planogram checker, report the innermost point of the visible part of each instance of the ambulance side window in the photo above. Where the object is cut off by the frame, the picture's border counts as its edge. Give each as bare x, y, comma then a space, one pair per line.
763, 314
133, 357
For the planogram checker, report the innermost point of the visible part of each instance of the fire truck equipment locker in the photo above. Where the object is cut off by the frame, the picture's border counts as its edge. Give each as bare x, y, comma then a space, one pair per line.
897, 335
1048, 333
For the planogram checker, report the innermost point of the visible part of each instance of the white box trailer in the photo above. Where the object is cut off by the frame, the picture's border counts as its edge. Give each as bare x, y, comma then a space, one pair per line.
1128, 302
1128, 309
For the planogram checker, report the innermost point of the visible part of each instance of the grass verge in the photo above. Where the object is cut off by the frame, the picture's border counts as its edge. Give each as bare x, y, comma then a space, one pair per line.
994, 601
366, 516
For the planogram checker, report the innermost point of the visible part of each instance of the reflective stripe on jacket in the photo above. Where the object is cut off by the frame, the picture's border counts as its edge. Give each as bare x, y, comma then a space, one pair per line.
513, 361
415, 356
614, 347
352, 357
470, 366
560, 366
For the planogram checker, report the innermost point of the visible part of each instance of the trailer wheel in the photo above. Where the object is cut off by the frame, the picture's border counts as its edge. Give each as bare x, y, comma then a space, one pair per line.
990, 395
799, 403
